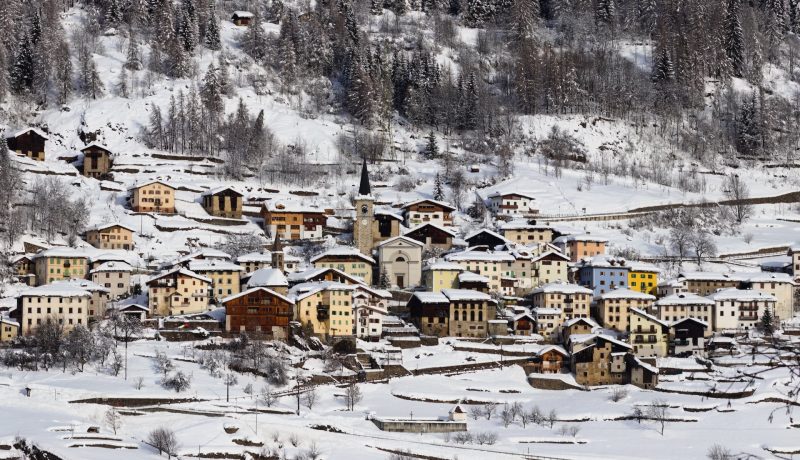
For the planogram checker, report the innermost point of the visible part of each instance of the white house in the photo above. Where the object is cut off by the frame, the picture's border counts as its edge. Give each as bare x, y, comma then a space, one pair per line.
509, 204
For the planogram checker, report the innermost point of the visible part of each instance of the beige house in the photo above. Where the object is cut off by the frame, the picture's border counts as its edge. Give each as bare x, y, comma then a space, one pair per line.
257, 260
24, 269
527, 234
613, 307
578, 247
549, 267
100, 296
548, 321
325, 307
571, 300
400, 262
63, 303
648, 334
178, 292
347, 259
492, 264
153, 196
114, 276
225, 276
740, 309
9, 329
110, 236
223, 202
684, 305
60, 264
423, 211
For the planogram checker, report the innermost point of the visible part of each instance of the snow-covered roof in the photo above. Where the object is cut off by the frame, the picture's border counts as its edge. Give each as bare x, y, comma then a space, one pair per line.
583, 238
562, 287
86, 285
210, 265
306, 275
112, 266
8, 321
243, 14
649, 367
443, 265
550, 253
343, 251
431, 297
546, 311
101, 227
465, 294
256, 289
683, 298
624, 293
524, 225
56, 290
752, 277
582, 338
644, 314
547, 348
426, 200
151, 182
292, 206
741, 294
96, 145
61, 252
488, 232
255, 257
30, 128
637, 266
180, 271
603, 261
267, 277
470, 277
387, 212
431, 224
303, 290
222, 188
688, 318
499, 194
408, 240
572, 321
482, 256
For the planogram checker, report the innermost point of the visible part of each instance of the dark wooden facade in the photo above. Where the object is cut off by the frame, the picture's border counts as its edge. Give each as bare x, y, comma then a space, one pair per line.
28, 143
96, 161
431, 235
486, 238
431, 318
224, 203
259, 311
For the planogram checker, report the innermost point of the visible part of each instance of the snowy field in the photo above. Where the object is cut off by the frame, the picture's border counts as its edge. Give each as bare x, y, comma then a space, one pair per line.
585, 424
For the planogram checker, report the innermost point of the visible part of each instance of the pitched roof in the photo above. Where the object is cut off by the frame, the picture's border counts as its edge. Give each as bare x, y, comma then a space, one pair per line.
256, 289
210, 265
267, 277
292, 206
624, 293
443, 265
214, 191
470, 277
583, 237
61, 252
30, 128
549, 254
408, 240
644, 314
499, 194
431, 224
306, 275
683, 298
303, 290
56, 290
688, 318
483, 256
562, 287
431, 297
101, 227
96, 145
363, 186
427, 200
242, 14
343, 251
741, 294
179, 271
112, 266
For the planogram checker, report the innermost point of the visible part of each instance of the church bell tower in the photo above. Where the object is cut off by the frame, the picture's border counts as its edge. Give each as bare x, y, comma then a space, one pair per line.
362, 226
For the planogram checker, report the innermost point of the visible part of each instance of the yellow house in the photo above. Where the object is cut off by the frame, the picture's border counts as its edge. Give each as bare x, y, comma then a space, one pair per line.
493, 265
153, 196
9, 329
643, 277
178, 292
225, 276
347, 259
60, 264
325, 307
441, 275
648, 334
613, 308
110, 236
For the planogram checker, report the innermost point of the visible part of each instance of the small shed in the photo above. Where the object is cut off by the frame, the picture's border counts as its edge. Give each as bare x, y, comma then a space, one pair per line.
458, 414
242, 18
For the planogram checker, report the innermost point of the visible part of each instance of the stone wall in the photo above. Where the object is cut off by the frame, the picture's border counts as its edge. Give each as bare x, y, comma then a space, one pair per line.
419, 426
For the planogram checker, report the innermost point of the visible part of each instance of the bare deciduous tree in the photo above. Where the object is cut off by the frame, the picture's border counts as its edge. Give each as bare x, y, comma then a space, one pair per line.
352, 396
737, 191
164, 440
113, 419
658, 411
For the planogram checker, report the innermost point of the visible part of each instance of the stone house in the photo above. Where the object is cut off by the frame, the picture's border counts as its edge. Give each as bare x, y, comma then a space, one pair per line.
223, 202
97, 161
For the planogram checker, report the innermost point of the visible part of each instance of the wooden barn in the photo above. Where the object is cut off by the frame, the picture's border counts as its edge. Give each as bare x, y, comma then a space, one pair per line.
242, 18
28, 142
96, 160
259, 310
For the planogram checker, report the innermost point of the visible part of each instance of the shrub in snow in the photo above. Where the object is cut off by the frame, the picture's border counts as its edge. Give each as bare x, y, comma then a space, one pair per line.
462, 437
164, 440
487, 437
618, 394
178, 382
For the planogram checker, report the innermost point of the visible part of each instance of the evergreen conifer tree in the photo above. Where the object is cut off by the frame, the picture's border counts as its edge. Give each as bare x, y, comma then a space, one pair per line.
734, 39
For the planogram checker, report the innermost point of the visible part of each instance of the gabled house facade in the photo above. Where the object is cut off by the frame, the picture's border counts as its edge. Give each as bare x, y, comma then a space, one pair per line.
259, 311
97, 160
153, 196
60, 264
28, 142
293, 221
424, 211
114, 276
434, 237
400, 262
178, 292
512, 203
223, 202
648, 334
110, 236
347, 259
613, 308
688, 337
578, 247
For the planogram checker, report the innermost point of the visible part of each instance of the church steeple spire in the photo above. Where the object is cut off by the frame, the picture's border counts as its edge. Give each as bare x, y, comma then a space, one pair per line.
277, 253
363, 187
